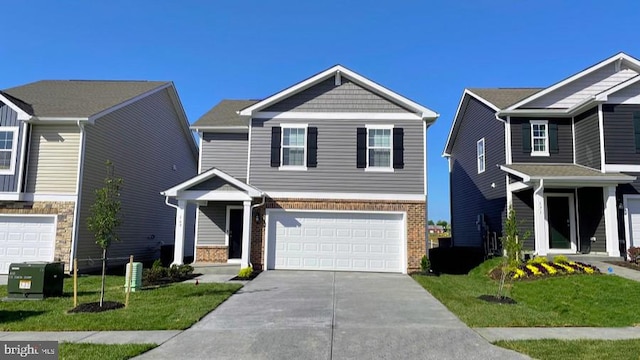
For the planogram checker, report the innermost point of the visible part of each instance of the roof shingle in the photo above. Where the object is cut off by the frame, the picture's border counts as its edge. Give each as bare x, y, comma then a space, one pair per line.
504, 97
225, 114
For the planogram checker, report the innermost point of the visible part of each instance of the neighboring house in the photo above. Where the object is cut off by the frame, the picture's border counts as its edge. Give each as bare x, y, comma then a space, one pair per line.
55, 138
566, 157
436, 229
328, 174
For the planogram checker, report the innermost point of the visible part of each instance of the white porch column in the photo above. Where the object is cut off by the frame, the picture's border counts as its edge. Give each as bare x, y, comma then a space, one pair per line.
539, 221
611, 220
246, 234
178, 252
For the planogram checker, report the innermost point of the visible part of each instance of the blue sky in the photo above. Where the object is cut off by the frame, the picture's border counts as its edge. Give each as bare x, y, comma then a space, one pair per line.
428, 51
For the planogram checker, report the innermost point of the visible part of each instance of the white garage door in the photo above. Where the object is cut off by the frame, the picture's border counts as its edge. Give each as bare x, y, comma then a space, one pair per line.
26, 238
336, 241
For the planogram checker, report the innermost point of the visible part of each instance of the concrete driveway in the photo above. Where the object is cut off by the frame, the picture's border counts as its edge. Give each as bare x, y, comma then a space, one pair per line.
327, 315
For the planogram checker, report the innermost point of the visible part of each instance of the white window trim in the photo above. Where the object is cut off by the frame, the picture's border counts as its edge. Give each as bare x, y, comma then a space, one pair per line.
14, 149
304, 155
482, 168
380, 168
546, 139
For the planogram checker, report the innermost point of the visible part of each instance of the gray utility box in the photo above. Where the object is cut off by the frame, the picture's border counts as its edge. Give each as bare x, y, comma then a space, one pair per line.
35, 280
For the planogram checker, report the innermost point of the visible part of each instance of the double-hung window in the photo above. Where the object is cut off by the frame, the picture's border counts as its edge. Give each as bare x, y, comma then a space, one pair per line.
481, 155
294, 146
379, 147
539, 138
8, 148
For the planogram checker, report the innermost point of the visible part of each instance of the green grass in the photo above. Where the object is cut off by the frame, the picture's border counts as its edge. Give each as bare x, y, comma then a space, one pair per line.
76, 351
576, 300
173, 307
575, 349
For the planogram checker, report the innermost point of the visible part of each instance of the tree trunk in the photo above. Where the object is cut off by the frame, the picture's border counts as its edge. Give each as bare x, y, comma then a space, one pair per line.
104, 275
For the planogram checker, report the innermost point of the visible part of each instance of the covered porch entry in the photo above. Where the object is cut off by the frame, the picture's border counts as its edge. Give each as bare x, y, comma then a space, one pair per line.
223, 225
567, 208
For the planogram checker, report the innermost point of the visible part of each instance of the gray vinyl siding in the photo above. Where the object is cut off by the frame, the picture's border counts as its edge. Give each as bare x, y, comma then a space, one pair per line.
144, 140
472, 193
336, 170
53, 159
214, 184
212, 223
619, 140
583, 87
587, 128
8, 117
523, 207
591, 212
225, 151
327, 97
565, 143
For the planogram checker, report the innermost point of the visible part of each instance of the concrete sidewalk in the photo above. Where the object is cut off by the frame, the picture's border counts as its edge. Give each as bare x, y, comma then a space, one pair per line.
94, 337
560, 333
611, 269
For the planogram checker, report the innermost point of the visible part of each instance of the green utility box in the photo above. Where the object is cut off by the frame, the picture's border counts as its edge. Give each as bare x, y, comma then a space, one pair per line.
136, 279
35, 280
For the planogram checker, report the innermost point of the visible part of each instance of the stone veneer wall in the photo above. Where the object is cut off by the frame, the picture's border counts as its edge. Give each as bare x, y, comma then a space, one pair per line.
416, 224
212, 253
64, 226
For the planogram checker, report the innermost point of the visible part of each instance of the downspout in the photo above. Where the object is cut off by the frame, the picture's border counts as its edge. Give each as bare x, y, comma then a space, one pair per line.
166, 201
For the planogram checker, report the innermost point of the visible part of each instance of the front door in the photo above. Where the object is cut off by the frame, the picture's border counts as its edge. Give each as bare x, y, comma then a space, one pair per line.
235, 233
559, 222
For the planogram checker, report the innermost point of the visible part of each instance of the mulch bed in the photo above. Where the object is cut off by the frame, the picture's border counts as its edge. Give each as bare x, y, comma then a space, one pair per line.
168, 280
254, 275
95, 307
625, 264
497, 299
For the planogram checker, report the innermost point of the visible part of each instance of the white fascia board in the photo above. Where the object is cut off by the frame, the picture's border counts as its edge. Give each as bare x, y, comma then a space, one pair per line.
465, 93
54, 120
22, 115
344, 196
619, 56
221, 129
11, 196
49, 197
621, 168
205, 195
518, 186
525, 178
425, 113
586, 179
334, 116
250, 190
104, 112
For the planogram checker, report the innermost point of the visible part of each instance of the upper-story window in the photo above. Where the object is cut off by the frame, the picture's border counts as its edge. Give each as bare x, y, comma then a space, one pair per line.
480, 155
539, 138
379, 147
293, 145
8, 146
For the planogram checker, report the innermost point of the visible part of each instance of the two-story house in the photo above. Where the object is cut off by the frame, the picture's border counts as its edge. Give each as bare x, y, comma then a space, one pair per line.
565, 157
327, 174
55, 139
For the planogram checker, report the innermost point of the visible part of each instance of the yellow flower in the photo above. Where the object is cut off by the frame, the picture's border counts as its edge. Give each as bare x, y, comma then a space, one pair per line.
518, 273
550, 269
534, 270
588, 270
568, 268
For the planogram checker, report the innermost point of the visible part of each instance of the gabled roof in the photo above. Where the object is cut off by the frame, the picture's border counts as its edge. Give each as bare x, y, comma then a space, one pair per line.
211, 173
621, 57
563, 172
77, 98
423, 112
224, 115
496, 99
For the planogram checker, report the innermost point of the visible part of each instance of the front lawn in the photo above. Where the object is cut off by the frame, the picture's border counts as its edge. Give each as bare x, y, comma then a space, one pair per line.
172, 307
78, 351
575, 349
574, 300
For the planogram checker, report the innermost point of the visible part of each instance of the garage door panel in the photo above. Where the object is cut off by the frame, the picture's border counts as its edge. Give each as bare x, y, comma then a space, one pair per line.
336, 241
634, 219
26, 238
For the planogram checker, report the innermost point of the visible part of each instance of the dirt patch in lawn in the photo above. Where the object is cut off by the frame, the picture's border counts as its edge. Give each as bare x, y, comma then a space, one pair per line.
95, 307
497, 299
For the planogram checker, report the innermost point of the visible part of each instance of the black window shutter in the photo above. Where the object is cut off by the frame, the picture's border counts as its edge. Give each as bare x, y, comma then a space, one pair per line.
312, 147
526, 137
398, 148
636, 130
276, 133
361, 139
553, 138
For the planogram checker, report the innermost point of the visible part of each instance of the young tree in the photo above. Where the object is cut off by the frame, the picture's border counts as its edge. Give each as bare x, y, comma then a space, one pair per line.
430, 222
444, 224
105, 218
512, 245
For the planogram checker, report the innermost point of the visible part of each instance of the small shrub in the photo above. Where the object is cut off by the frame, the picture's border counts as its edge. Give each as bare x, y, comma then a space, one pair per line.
634, 254
179, 272
245, 273
425, 264
538, 260
560, 259
152, 275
